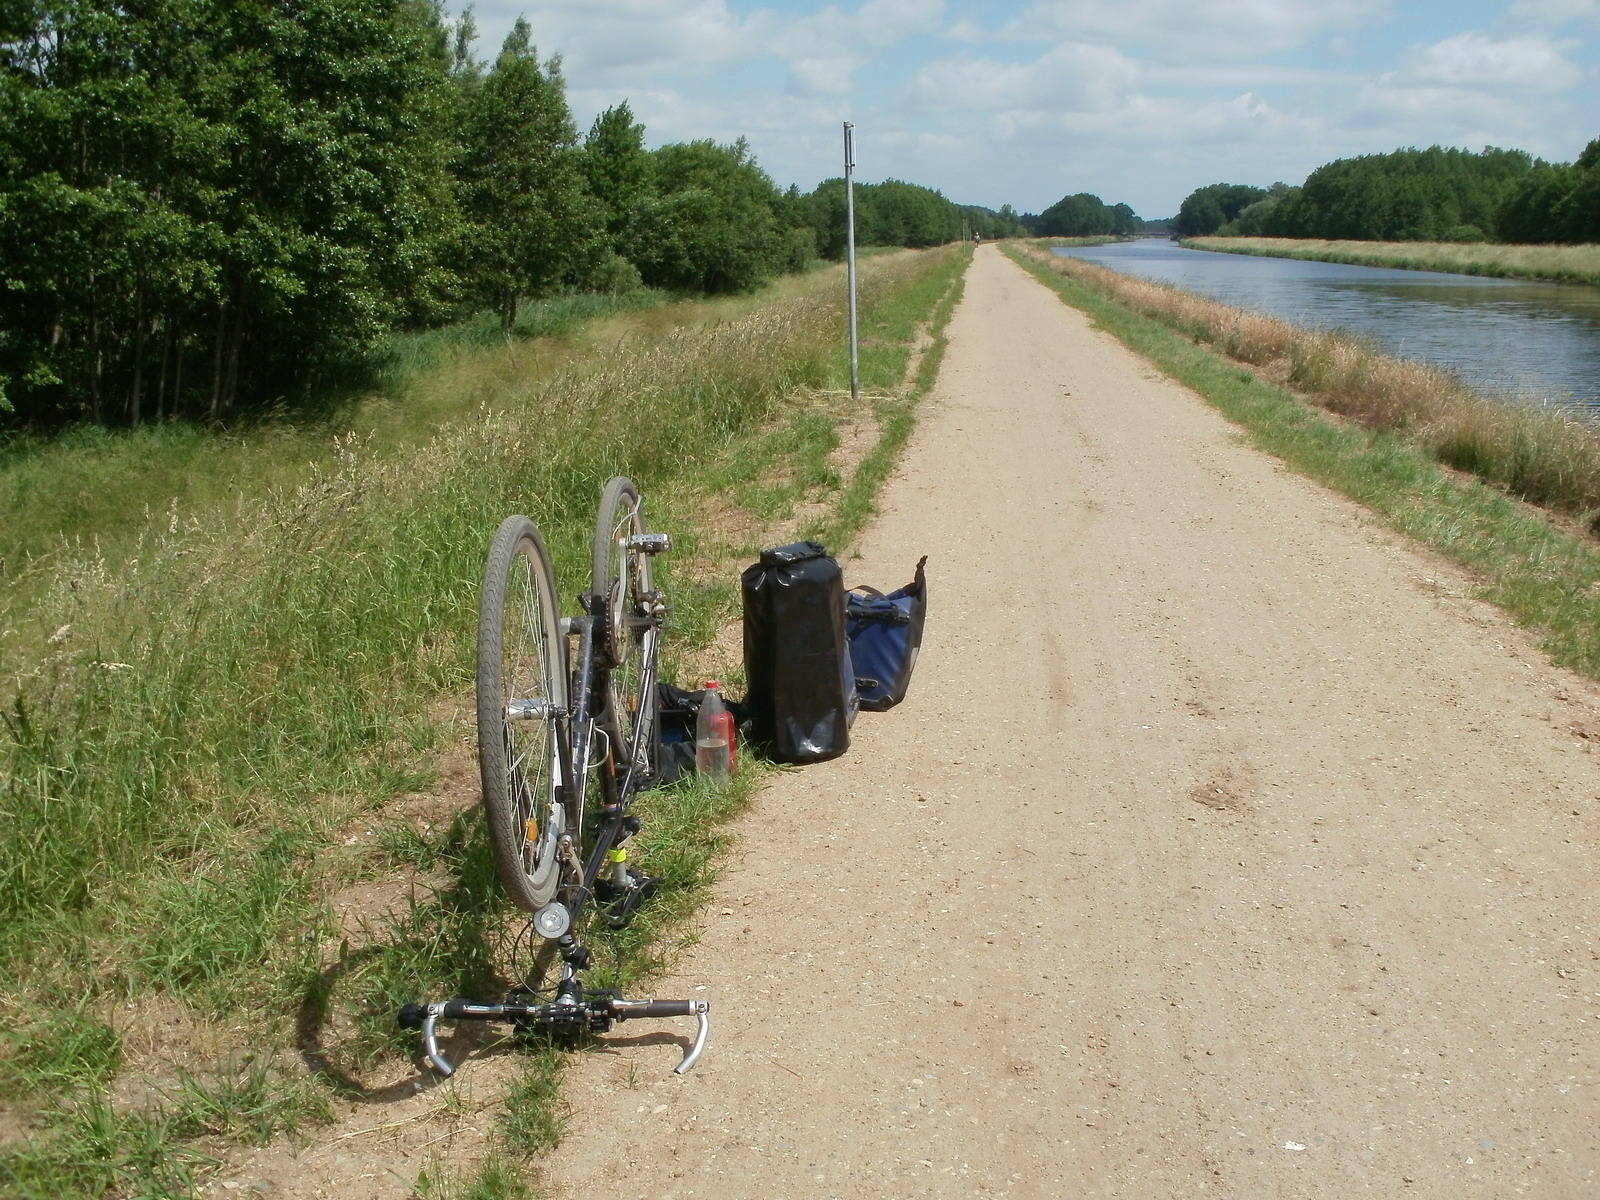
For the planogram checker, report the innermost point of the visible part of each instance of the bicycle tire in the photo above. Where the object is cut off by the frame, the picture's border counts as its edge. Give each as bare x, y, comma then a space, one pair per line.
522, 660
624, 580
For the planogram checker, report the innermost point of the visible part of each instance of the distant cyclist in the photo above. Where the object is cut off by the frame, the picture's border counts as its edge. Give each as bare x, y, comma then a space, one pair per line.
977, 238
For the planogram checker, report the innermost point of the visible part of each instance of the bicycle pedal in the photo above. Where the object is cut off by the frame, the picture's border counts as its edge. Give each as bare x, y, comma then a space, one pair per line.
625, 901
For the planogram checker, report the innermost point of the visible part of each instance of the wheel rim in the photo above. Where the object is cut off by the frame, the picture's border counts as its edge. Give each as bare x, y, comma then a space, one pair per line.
630, 644
528, 697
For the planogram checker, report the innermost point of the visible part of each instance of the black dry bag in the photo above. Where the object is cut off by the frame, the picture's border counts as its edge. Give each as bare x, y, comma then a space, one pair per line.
801, 696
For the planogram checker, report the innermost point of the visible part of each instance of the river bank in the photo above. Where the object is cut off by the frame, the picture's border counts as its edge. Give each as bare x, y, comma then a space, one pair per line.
1560, 264
1405, 439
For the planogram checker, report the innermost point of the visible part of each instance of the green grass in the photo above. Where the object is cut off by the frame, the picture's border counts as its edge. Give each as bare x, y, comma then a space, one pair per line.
201, 732
96, 489
932, 303
1546, 579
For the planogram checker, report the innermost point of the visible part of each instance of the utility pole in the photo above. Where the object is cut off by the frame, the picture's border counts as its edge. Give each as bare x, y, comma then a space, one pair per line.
850, 248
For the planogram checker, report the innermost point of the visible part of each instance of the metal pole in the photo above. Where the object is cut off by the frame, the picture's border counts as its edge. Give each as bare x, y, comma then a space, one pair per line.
850, 248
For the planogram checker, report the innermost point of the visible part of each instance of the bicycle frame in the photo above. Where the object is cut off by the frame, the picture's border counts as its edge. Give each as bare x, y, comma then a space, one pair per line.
575, 745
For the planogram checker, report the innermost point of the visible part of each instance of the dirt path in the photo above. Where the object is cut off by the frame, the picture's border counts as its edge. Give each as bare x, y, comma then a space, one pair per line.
1221, 847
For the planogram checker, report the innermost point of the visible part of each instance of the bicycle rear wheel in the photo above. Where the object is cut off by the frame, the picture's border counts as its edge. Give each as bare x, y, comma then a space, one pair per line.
522, 699
624, 580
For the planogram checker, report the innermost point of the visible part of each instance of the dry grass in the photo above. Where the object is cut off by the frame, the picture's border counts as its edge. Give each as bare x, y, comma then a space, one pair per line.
1565, 263
1542, 455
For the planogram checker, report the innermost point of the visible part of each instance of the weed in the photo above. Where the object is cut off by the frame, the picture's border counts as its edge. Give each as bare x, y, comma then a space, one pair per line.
66, 1049
248, 1105
497, 1177
532, 1122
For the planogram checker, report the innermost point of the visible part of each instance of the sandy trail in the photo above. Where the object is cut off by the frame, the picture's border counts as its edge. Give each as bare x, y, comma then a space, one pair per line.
1221, 846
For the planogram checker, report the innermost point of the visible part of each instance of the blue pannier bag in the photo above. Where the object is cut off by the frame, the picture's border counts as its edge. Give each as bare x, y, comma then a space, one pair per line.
885, 633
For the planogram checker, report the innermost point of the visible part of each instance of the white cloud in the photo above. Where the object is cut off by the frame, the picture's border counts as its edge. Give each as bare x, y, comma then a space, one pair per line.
891, 20
619, 38
1553, 12
1470, 59
1186, 30
1387, 114
826, 75
1024, 101
1073, 75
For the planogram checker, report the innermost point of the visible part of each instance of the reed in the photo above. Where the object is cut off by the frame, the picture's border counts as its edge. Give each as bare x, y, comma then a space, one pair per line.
1566, 264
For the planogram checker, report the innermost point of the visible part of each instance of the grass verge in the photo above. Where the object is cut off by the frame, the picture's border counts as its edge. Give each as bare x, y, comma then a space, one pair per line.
1562, 264
209, 739
1547, 579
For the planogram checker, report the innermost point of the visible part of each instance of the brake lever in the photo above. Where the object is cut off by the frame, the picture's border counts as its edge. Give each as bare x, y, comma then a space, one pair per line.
702, 1013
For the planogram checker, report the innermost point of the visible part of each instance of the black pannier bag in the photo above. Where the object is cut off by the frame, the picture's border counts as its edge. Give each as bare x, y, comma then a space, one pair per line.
801, 696
885, 634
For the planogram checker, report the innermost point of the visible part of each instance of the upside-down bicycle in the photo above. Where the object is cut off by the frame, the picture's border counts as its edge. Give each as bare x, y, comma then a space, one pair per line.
551, 738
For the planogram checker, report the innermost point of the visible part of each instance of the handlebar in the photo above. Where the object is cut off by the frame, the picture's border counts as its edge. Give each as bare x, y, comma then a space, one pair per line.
562, 1015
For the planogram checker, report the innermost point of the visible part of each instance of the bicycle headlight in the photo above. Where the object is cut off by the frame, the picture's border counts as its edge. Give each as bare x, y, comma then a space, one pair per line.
553, 920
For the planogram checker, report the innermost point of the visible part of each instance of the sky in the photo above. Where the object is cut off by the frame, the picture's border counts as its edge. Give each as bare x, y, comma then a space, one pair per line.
1137, 101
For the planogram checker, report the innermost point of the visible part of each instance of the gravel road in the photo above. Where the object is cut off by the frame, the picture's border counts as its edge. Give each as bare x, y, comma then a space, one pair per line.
1225, 845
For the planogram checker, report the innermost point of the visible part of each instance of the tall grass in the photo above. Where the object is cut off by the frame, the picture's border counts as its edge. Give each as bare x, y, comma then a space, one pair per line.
190, 729
1543, 455
96, 488
1570, 264
246, 659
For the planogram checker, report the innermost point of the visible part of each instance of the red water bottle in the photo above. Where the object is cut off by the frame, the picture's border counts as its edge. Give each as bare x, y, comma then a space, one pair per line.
715, 752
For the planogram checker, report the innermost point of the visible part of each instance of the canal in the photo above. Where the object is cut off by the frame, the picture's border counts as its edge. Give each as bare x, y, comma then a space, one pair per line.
1533, 341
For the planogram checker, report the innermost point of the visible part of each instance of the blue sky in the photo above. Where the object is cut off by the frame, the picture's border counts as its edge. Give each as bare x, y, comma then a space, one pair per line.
1138, 101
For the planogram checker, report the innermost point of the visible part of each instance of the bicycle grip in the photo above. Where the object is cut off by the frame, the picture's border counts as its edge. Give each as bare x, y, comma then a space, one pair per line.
427, 1016
659, 1008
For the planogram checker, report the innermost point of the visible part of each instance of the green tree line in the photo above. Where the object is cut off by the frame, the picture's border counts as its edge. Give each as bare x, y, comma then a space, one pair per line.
209, 207
1083, 215
1436, 194
893, 213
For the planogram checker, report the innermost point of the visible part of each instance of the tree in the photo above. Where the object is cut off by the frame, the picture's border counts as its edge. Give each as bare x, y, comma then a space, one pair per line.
533, 222
711, 224
617, 168
1206, 210
1406, 195
1085, 215
203, 202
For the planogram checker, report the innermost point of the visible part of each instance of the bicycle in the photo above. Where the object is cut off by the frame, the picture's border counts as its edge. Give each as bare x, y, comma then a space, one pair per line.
548, 737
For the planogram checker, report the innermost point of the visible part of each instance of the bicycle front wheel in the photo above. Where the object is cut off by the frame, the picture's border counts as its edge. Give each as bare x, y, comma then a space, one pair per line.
522, 701
624, 581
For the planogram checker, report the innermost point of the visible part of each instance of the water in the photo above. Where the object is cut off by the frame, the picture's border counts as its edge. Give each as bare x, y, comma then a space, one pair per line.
1537, 341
